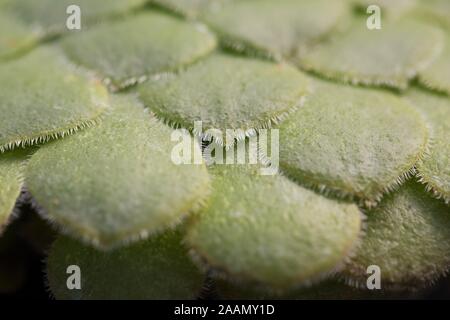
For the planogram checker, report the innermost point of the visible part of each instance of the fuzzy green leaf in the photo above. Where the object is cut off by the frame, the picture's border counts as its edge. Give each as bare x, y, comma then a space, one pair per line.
408, 237
157, 268
14, 37
11, 167
123, 53
58, 99
116, 182
50, 16
434, 170
388, 57
275, 28
227, 92
270, 231
437, 75
352, 141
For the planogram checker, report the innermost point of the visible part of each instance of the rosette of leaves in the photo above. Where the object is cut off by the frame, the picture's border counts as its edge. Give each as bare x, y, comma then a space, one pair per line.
86, 137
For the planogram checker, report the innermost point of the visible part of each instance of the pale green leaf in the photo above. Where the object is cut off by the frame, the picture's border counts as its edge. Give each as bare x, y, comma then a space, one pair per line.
157, 268
50, 16
437, 75
355, 142
389, 57
191, 8
408, 237
11, 177
436, 11
15, 38
275, 28
269, 231
227, 92
43, 97
434, 170
116, 182
129, 50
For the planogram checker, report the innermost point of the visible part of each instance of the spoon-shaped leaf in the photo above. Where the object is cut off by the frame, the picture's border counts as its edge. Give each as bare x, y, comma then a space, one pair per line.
190, 8
434, 169
390, 56
127, 51
227, 92
408, 237
157, 268
355, 142
58, 99
270, 231
274, 28
115, 182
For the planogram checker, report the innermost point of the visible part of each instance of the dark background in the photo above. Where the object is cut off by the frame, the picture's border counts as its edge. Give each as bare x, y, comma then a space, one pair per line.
23, 250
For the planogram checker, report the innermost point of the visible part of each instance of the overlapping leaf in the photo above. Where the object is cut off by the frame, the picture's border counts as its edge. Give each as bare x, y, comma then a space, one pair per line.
227, 92
408, 237
11, 177
268, 230
275, 28
127, 51
437, 75
355, 142
157, 268
116, 182
14, 37
191, 8
435, 168
42, 97
50, 17
388, 57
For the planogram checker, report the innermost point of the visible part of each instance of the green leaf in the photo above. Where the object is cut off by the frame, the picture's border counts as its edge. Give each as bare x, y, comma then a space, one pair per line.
437, 75
354, 142
190, 8
408, 237
50, 16
227, 92
58, 99
15, 38
387, 57
123, 53
11, 167
436, 11
157, 268
116, 182
269, 231
275, 28
434, 169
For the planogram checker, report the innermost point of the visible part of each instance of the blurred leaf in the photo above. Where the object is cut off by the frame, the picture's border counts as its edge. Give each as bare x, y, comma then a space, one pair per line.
157, 268
127, 51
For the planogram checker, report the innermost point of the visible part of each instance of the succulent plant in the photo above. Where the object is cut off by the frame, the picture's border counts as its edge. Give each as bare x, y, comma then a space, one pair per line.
86, 138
